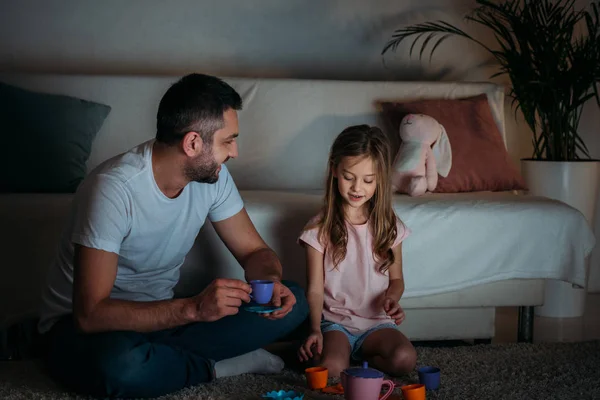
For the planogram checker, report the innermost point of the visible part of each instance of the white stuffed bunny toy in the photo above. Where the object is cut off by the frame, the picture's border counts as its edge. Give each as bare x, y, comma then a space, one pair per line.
424, 153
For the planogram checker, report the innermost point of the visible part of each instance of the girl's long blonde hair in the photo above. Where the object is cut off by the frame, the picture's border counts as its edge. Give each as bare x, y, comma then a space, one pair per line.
370, 142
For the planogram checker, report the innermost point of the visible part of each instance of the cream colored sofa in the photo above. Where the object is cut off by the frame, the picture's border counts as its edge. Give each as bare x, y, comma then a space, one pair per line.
468, 254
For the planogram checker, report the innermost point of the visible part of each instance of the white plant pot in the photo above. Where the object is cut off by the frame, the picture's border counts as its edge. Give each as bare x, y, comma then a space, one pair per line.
576, 184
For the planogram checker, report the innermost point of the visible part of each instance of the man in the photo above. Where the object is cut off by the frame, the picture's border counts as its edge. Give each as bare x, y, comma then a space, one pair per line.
113, 326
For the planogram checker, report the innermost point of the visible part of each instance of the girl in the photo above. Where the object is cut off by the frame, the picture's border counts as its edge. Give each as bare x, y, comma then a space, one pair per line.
354, 255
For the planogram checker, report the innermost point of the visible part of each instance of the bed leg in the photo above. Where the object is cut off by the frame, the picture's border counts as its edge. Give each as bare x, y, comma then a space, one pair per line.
525, 330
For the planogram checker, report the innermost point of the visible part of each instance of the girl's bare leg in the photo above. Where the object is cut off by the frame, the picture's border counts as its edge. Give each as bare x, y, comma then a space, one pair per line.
336, 353
389, 351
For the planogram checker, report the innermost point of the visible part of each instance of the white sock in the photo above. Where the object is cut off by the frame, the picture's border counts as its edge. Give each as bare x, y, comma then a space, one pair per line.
256, 362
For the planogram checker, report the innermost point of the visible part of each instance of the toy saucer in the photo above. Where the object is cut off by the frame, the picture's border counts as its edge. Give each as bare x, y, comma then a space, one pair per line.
335, 389
260, 308
283, 395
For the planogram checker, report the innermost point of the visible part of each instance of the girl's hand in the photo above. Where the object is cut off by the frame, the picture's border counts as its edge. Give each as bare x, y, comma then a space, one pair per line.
315, 339
393, 310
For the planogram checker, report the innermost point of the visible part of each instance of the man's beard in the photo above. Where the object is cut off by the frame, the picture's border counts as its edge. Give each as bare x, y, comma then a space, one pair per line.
203, 169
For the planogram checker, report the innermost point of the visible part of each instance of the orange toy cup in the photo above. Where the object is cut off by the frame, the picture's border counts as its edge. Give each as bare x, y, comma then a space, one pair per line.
316, 377
413, 392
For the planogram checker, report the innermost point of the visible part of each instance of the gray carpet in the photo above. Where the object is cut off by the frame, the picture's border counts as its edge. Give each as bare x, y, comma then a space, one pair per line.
514, 371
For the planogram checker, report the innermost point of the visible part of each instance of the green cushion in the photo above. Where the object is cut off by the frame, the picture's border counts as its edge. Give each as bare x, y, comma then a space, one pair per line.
46, 140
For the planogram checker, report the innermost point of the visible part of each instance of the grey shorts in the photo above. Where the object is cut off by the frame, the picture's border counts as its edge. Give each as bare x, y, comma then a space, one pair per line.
356, 341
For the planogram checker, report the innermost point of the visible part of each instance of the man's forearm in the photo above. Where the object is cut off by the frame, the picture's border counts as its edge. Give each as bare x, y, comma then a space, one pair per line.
262, 264
117, 315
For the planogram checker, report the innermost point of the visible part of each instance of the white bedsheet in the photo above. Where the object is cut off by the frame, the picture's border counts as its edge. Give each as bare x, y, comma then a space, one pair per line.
461, 240
457, 241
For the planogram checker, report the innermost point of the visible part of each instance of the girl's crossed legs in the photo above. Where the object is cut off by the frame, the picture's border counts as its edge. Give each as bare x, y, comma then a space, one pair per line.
336, 352
389, 351
386, 349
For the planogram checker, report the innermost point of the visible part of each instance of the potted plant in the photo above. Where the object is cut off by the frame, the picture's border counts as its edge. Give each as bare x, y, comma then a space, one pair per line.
550, 51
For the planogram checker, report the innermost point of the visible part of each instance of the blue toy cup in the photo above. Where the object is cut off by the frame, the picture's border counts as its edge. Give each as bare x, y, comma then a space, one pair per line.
430, 377
262, 291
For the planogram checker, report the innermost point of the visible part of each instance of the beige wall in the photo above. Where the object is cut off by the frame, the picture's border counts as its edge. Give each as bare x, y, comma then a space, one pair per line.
328, 39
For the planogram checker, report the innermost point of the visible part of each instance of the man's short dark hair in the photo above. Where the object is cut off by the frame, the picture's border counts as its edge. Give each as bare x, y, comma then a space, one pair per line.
194, 103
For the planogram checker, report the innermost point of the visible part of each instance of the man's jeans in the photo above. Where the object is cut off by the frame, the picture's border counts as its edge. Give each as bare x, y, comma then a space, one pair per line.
132, 364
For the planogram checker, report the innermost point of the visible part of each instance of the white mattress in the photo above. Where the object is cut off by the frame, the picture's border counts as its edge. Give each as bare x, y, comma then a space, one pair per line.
457, 241
462, 240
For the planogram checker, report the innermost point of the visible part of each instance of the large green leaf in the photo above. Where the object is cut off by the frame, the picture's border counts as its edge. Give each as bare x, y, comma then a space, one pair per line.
553, 69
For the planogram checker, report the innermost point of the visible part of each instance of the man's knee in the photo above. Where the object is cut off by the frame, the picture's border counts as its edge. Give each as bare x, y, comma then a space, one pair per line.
293, 324
126, 374
301, 307
290, 284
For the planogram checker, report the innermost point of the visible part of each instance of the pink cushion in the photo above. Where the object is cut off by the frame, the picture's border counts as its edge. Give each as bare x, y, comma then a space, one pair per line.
480, 161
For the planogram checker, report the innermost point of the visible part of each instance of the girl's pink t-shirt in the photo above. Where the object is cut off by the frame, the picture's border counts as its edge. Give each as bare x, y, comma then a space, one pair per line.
353, 295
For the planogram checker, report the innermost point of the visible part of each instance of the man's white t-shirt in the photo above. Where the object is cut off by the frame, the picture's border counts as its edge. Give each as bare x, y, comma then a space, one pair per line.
119, 208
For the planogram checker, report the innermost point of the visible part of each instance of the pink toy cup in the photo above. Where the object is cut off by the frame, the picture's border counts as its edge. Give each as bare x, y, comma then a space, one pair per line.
364, 384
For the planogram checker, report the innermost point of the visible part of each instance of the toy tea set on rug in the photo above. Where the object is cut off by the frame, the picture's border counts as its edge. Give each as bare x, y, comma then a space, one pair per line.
357, 383
363, 383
